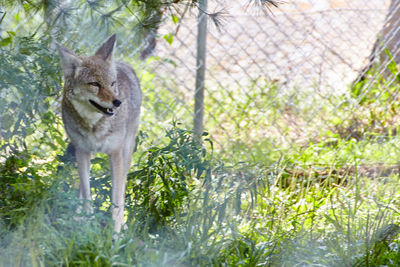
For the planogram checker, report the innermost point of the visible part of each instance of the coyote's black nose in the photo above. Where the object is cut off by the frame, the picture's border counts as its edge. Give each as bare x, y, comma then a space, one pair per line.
116, 103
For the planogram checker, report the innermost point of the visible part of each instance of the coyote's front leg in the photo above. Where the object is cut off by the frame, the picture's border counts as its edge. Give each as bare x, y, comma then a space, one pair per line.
118, 176
83, 161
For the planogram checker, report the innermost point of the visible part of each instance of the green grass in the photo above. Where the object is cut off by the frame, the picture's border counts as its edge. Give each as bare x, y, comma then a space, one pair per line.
224, 215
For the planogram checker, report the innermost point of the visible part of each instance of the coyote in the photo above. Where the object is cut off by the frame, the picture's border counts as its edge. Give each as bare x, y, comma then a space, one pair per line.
100, 110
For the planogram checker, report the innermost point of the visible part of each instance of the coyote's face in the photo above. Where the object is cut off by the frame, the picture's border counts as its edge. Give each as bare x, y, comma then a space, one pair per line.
91, 82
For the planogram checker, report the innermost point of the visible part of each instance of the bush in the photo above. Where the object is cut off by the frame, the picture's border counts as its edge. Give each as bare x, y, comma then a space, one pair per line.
160, 186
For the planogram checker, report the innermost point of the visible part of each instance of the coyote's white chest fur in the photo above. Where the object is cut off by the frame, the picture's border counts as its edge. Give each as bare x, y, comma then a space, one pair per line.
100, 110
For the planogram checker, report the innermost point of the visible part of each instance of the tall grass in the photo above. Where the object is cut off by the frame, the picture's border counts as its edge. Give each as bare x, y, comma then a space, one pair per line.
187, 208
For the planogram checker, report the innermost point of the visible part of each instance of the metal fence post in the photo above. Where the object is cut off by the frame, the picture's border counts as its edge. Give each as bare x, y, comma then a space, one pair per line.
200, 68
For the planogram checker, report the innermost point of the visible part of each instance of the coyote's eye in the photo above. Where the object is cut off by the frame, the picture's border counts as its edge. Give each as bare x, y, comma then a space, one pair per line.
95, 84
113, 83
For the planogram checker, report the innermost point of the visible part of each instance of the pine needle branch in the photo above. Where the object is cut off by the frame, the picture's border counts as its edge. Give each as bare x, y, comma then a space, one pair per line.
266, 4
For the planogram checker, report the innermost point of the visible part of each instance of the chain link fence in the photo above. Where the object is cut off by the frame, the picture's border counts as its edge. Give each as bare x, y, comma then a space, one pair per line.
283, 79
278, 79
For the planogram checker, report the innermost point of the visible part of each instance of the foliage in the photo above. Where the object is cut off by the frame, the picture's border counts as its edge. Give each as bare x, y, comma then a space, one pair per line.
20, 186
198, 211
30, 81
172, 193
376, 95
162, 183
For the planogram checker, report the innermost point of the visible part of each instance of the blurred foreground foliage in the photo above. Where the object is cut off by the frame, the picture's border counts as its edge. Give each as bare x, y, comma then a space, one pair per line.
178, 191
30, 86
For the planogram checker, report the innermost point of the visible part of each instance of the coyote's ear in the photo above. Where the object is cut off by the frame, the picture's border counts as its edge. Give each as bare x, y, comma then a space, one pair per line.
105, 51
69, 61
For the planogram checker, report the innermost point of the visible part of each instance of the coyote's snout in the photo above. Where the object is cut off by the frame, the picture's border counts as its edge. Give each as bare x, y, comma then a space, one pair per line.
100, 110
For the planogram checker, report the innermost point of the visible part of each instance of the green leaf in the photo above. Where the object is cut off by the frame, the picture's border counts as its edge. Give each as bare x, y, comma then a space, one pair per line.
5, 41
169, 38
175, 19
392, 66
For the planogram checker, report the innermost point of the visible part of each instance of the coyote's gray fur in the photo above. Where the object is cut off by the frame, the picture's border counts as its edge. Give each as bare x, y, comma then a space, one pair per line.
100, 110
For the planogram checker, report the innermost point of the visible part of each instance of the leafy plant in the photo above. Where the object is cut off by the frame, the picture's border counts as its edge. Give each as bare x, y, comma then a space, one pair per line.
158, 189
30, 82
376, 103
